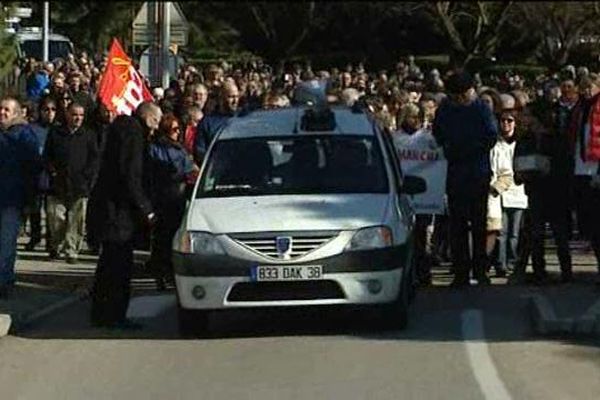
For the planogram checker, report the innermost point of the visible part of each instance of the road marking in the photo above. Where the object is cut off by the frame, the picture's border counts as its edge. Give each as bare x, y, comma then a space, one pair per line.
150, 306
479, 357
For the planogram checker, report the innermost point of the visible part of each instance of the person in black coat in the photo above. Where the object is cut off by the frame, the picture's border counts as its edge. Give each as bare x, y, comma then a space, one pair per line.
169, 166
547, 190
71, 158
120, 208
466, 129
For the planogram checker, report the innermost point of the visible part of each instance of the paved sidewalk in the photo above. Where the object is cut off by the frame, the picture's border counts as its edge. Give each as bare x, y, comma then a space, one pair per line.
30, 302
568, 309
45, 286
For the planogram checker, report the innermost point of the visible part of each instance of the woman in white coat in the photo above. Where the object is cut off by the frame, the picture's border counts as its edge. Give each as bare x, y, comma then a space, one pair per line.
507, 200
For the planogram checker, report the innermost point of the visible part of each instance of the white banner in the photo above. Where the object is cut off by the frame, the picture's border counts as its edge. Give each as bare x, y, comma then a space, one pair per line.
421, 156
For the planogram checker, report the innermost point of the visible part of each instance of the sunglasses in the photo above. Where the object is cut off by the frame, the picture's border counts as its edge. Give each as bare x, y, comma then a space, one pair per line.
507, 120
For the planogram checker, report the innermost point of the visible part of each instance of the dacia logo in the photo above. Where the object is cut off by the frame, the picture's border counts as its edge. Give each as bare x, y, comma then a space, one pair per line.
283, 244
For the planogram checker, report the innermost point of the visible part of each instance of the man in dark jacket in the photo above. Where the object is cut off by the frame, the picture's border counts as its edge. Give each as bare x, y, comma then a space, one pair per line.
18, 160
213, 123
71, 157
548, 191
119, 208
467, 130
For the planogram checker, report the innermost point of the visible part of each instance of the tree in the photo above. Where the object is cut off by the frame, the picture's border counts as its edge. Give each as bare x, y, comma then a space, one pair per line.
473, 29
558, 26
275, 30
8, 54
89, 24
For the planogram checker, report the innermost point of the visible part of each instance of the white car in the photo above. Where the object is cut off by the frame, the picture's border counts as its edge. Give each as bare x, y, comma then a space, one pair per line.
297, 207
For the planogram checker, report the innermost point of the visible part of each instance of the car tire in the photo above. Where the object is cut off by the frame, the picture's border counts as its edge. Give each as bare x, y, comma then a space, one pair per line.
192, 323
395, 315
412, 286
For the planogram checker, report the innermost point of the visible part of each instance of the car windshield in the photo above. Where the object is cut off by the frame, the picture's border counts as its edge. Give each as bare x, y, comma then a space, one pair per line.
314, 164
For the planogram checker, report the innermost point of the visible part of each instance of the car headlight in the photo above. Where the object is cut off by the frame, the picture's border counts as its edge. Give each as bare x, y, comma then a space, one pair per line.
197, 243
375, 237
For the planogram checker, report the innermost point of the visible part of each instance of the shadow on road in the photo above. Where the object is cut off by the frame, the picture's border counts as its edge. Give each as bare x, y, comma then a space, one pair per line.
434, 317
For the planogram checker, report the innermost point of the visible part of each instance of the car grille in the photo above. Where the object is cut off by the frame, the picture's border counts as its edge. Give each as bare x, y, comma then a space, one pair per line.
275, 291
302, 243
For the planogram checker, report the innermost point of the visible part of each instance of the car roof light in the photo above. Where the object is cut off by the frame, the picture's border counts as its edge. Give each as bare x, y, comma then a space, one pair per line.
318, 119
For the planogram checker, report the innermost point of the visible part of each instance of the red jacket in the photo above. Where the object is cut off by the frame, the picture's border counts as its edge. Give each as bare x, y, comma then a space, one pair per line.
592, 147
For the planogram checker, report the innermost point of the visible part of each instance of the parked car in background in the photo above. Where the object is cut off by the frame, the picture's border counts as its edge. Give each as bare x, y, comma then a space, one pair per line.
29, 44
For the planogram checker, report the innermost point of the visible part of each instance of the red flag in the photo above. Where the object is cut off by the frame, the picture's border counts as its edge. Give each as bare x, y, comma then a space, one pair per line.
122, 88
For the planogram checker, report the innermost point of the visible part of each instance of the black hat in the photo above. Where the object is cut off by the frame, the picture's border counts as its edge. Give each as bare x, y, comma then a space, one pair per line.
459, 82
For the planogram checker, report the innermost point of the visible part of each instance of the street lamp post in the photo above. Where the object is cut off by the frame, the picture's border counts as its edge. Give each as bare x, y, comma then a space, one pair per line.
46, 32
165, 42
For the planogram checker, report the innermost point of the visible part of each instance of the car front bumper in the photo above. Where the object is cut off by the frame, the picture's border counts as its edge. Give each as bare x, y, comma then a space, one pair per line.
365, 277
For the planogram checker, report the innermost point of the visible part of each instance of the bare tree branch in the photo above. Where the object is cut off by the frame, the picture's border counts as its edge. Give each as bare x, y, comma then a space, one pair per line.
261, 22
307, 27
442, 12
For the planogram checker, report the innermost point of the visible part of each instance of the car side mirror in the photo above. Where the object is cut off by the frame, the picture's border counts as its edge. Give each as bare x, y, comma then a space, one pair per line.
413, 185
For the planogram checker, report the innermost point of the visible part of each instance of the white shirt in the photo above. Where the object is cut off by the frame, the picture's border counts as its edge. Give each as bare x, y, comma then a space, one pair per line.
501, 157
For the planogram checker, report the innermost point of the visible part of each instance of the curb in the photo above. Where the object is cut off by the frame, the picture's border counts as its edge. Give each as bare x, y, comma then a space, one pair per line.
546, 322
5, 322
14, 324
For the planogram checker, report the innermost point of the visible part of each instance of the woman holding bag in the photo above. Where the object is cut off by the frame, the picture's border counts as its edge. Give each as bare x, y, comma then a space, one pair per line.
510, 199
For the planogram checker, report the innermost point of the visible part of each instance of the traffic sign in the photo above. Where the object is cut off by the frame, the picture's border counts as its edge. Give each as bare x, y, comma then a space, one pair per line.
149, 37
145, 34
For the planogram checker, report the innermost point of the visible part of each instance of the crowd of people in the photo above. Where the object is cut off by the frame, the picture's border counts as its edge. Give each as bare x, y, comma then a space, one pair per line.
520, 153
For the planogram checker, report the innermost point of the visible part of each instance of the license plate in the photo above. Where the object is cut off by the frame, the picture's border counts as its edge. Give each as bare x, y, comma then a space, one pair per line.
287, 273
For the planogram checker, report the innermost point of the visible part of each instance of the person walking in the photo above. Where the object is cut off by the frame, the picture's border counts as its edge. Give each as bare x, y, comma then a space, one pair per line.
71, 157
120, 208
19, 162
584, 135
410, 122
169, 167
466, 129
585, 163
45, 122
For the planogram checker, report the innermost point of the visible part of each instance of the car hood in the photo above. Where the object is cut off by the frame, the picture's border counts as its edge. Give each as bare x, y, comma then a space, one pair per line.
287, 213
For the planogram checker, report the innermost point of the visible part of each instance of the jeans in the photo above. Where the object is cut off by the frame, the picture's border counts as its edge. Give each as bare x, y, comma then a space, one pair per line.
544, 208
168, 220
584, 206
66, 221
509, 235
422, 249
10, 224
440, 240
469, 207
594, 224
33, 214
